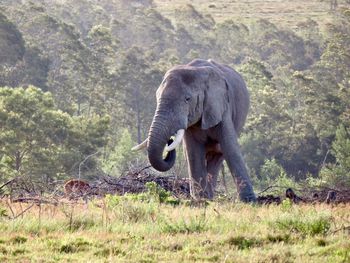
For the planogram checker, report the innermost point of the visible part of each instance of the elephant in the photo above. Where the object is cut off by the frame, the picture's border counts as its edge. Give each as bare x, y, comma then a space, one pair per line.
205, 104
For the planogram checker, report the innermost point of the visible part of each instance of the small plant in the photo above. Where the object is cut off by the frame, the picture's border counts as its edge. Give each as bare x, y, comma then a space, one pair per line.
157, 193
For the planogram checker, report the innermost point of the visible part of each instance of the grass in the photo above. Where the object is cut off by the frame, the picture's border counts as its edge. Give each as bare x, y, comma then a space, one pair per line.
280, 12
218, 232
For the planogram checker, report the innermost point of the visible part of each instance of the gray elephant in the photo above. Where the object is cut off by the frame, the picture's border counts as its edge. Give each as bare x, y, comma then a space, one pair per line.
206, 104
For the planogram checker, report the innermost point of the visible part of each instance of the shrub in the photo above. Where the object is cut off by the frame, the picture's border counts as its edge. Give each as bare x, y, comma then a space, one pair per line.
157, 193
272, 173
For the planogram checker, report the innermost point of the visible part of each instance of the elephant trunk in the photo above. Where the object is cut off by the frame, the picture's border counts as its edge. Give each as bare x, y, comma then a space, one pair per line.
158, 138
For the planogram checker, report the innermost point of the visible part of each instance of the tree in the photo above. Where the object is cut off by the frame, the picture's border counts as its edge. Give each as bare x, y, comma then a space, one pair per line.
11, 42
338, 174
32, 69
120, 157
263, 136
138, 81
37, 139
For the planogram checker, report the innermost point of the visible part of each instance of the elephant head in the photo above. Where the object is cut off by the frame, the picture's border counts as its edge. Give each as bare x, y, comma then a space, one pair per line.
192, 94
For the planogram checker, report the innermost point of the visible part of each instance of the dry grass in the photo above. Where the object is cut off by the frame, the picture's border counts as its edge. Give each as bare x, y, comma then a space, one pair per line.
280, 12
134, 231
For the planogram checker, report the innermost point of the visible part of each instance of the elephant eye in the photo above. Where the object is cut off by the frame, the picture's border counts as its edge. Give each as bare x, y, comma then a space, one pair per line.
188, 98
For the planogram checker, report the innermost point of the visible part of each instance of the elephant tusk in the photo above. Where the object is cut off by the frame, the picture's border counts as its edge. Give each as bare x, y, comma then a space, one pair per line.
140, 146
178, 138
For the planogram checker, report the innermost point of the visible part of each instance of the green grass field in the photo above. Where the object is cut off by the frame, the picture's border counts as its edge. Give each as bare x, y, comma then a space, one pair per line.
135, 231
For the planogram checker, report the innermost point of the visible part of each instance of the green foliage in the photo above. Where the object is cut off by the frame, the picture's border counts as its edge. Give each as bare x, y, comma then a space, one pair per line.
273, 174
38, 139
154, 194
30, 132
120, 158
157, 193
271, 171
11, 42
338, 174
341, 148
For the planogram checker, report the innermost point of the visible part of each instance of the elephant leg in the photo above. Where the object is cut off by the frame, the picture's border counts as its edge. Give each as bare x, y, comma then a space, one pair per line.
214, 163
233, 156
195, 153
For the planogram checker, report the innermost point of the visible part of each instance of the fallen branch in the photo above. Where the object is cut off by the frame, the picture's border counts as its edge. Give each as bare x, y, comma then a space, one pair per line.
25, 210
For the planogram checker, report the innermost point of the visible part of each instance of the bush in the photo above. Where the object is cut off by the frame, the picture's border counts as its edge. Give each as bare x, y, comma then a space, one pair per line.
158, 194
272, 173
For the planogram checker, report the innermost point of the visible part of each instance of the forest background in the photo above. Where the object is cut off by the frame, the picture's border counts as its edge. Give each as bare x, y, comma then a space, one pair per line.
78, 81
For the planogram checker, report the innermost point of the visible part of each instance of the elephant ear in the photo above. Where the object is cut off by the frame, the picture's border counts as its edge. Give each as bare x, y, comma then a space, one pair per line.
215, 100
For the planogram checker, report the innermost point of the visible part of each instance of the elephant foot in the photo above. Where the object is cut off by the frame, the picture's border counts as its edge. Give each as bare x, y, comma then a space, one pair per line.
246, 194
247, 198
